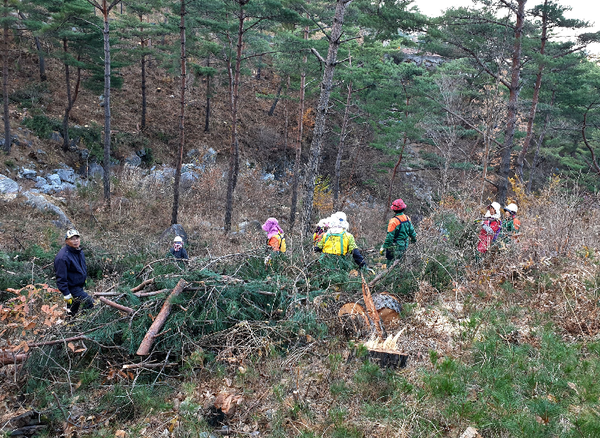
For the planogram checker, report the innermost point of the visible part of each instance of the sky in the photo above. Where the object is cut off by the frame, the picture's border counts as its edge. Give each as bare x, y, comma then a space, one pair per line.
582, 9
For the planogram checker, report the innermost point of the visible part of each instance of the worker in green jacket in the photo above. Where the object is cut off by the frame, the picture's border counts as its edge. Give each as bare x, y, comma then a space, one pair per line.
400, 229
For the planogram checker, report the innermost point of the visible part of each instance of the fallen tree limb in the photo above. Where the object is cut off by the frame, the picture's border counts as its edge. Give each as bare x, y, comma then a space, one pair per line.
382, 274
142, 285
57, 341
159, 321
10, 358
150, 294
106, 294
116, 306
148, 365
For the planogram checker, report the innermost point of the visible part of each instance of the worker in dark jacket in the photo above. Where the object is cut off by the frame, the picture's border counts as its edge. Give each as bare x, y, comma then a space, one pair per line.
71, 273
399, 231
178, 251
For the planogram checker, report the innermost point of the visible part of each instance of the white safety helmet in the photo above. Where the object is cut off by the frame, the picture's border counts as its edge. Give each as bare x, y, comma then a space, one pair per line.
512, 208
339, 216
323, 223
496, 207
71, 233
178, 239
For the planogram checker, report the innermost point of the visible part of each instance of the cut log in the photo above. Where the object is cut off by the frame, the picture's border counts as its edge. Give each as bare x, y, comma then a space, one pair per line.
159, 321
150, 294
131, 366
142, 285
115, 305
388, 358
10, 358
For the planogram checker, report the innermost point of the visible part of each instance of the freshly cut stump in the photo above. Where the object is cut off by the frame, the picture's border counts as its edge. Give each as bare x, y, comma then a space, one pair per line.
388, 358
353, 319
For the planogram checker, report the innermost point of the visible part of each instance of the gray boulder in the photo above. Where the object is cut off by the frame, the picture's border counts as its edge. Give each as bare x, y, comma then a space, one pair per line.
41, 203
95, 171
133, 161
250, 226
40, 182
8, 187
54, 179
66, 175
210, 157
188, 179
28, 174
56, 136
174, 230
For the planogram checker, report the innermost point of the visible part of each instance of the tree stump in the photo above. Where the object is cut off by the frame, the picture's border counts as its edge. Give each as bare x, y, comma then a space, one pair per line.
388, 358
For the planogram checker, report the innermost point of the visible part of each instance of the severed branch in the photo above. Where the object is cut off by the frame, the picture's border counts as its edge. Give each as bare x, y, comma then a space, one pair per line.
142, 285
159, 321
150, 294
10, 358
148, 365
110, 303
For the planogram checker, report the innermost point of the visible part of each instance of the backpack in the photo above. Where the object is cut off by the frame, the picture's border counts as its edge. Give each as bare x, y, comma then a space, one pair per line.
334, 243
282, 244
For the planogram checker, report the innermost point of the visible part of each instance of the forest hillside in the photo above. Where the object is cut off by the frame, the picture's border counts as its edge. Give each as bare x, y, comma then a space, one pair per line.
135, 122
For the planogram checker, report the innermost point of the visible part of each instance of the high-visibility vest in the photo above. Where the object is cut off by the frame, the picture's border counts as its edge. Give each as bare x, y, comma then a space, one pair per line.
281, 240
334, 243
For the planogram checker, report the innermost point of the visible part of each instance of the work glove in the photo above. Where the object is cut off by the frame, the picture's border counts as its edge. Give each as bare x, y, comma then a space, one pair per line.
317, 249
268, 261
488, 229
381, 250
68, 299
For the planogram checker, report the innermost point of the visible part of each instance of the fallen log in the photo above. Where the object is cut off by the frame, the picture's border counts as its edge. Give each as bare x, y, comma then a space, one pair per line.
115, 305
149, 294
142, 285
148, 365
107, 294
10, 358
159, 321
56, 341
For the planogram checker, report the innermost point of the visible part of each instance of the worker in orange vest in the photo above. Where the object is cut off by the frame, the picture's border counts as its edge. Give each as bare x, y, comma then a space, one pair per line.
400, 229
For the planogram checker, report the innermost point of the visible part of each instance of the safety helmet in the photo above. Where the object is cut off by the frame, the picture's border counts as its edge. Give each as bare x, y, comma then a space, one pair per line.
178, 239
71, 233
398, 205
339, 216
512, 208
323, 223
496, 207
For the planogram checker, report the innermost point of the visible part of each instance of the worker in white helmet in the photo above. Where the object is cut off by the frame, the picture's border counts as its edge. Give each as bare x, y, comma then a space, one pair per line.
178, 251
511, 224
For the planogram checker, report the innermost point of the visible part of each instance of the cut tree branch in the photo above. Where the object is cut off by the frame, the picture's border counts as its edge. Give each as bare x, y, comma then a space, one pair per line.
110, 303
159, 321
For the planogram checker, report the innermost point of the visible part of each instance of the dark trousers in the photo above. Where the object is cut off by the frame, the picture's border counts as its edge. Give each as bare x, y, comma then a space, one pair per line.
80, 299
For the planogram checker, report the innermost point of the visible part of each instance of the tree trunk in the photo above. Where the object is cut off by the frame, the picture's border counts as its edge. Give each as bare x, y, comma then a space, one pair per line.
7, 136
340, 152
207, 119
181, 117
42, 60
69, 99
536, 95
106, 164
272, 110
234, 82
38, 47
319, 130
404, 141
540, 141
143, 64
512, 104
298, 158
